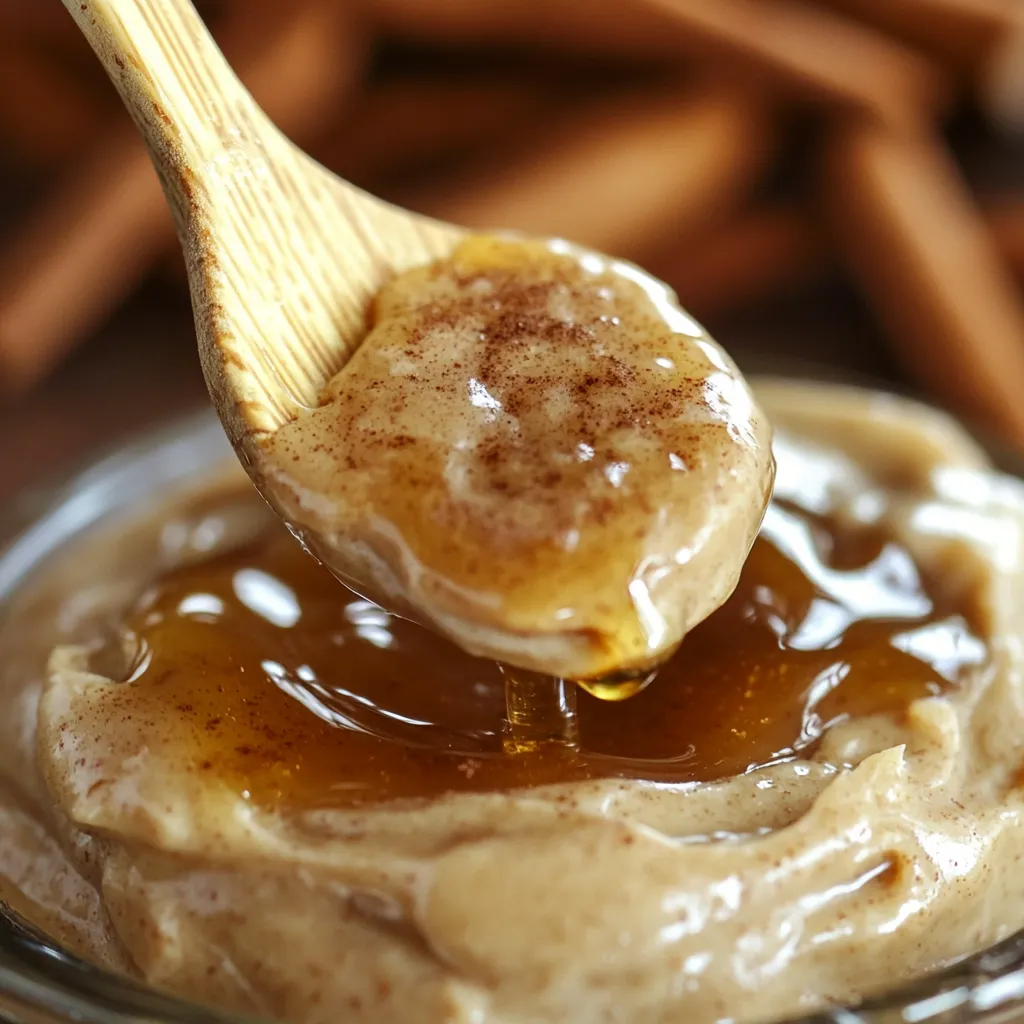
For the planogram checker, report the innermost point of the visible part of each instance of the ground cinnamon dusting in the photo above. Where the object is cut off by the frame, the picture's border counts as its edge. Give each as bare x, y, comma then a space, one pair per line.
530, 433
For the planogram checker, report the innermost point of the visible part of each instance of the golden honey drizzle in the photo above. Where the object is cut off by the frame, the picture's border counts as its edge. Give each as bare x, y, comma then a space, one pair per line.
296, 693
540, 711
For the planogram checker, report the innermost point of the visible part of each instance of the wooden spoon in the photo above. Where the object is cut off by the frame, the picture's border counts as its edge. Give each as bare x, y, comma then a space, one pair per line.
284, 260
283, 257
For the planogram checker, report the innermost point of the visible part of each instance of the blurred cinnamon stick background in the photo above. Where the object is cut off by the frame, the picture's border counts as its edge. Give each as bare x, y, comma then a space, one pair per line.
827, 183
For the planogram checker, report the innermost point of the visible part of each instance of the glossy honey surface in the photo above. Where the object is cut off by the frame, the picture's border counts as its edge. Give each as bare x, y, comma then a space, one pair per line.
299, 694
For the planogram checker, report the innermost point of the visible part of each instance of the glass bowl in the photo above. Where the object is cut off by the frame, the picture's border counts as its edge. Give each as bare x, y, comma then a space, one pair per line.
43, 984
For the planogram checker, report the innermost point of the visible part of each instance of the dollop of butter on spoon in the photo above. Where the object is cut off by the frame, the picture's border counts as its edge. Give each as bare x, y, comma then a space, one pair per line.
536, 452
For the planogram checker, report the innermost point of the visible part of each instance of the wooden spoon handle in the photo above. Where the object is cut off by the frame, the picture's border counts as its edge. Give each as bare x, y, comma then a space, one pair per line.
284, 258
189, 105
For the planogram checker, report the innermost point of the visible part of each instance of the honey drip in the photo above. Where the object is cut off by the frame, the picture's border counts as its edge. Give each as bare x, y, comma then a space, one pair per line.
541, 711
273, 680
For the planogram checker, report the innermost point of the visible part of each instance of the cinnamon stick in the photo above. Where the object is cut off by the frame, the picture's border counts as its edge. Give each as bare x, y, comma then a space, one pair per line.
778, 249
625, 28
1000, 86
763, 253
980, 39
812, 53
806, 52
1006, 218
91, 243
912, 235
623, 177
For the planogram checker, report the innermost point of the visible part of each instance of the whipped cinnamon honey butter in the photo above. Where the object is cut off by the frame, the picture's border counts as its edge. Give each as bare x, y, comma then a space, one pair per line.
230, 778
536, 452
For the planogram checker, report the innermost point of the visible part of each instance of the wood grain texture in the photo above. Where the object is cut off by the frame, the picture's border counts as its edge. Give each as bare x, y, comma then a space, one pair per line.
283, 256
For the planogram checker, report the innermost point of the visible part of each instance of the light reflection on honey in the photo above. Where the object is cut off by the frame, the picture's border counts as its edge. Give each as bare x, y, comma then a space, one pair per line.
278, 682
